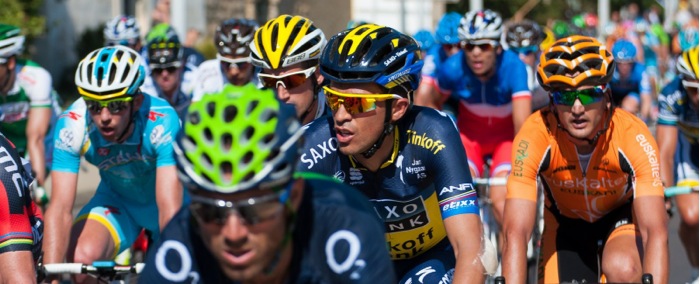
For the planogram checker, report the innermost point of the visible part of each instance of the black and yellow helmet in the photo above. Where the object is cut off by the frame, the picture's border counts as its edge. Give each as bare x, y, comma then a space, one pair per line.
373, 54
286, 40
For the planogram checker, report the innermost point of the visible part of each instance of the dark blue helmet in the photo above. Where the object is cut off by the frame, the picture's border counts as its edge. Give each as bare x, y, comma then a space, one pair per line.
373, 54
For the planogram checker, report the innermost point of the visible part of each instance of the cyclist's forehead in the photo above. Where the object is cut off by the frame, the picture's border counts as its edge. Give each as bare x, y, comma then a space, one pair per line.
284, 70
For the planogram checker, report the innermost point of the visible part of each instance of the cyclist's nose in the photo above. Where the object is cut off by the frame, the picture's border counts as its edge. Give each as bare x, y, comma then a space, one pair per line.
341, 115
234, 230
282, 92
578, 107
105, 116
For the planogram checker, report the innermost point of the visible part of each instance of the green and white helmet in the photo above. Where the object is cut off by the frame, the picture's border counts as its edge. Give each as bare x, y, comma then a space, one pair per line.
238, 139
11, 40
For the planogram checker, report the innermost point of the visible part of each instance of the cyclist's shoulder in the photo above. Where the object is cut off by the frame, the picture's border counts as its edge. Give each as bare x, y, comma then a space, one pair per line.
626, 123
427, 119
329, 193
30, 72
319, 129
672, 87
155, 107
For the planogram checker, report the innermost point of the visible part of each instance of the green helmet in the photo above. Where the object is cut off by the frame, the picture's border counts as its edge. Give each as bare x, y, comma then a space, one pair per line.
11, 40
238, 139
164, 47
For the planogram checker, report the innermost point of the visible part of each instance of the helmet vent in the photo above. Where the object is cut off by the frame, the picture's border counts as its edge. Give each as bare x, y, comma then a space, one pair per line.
226, 171
226, 142
208, 135
248, 176
90, 67
343, 56
267, 115
194, 117
251, 107
206, 161
273, 154
274, 33
247, 158
247, 135
268, 139
211, 109
125, 74
230, 113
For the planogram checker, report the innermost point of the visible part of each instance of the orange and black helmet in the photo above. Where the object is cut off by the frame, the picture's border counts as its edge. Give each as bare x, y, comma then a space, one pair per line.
575, 61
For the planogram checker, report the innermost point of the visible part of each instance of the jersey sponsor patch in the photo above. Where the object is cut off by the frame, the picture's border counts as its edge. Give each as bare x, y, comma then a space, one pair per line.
412, 226
319, 152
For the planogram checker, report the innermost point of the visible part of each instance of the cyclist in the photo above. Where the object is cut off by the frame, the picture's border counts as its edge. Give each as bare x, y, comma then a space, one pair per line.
287, 229
172, 77
599, 170
128, 136
677, 135
494, 100
428, 93
22, 225
525, 38
232, 63
631, 89
29, 105
124, 30
406, 159
287, 48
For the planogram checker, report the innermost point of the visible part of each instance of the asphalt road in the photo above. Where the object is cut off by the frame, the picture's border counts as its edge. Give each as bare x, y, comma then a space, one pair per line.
680, 268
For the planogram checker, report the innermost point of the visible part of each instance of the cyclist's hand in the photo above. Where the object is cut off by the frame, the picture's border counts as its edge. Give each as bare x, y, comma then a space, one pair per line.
669, 207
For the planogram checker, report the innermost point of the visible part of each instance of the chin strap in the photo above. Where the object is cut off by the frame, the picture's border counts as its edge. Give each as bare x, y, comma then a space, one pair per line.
388, 128
131, 122
314, 101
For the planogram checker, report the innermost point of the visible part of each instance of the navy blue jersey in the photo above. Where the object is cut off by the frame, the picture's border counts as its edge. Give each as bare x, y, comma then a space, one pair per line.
337, 239
425, 180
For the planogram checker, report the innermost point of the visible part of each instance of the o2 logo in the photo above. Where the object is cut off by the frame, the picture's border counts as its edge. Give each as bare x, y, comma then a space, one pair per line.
350, 261
185, 262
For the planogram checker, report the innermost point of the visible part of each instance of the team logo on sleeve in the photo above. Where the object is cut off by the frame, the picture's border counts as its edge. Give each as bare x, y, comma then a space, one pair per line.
153, 115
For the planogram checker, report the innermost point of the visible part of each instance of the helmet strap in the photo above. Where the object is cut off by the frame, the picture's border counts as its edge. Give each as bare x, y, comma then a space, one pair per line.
315, 88
131, 122
388, 128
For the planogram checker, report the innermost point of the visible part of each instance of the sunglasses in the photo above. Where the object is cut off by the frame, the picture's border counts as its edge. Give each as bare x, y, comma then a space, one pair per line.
525, 50
484, 45
587, 96
114, 106
170, 69
288, 81
233, 63
254, 210
355, 103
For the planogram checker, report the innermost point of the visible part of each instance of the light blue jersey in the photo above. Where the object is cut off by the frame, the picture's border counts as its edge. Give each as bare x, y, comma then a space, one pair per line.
125, 200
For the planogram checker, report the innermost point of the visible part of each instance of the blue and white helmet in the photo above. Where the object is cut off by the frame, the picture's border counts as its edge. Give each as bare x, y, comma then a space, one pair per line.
482, 24
110, 72
122, 30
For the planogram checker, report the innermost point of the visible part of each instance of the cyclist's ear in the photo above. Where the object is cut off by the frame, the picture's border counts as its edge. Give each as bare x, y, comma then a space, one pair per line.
319, 76
399, 108
138, 100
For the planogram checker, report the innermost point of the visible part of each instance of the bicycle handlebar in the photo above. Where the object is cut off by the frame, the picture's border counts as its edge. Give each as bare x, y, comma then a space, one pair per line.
494, 181
80, 268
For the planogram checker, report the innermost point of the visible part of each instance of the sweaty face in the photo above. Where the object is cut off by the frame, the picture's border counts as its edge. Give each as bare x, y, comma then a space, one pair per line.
356, 133
243, 251
302, 96
112, 126
583, 121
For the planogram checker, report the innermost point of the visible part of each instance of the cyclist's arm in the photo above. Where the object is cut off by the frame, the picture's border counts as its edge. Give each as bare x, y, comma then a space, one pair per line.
17, 267
649, 207
529, 149
59, 215
667, 138
518, 222
464, 233
37, 126
652, 222
645, 94
168, 194
428, 95
522, 108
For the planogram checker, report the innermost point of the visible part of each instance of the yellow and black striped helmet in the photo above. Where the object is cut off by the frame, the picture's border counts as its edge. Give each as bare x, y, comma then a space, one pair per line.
687, 64
286, 40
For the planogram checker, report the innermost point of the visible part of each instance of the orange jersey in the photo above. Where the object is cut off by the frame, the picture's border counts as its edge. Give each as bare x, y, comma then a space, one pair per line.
624, 165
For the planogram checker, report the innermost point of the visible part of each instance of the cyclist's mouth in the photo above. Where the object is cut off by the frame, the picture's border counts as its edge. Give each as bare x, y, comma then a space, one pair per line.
343, 136
579, 123
238, 258
107, 131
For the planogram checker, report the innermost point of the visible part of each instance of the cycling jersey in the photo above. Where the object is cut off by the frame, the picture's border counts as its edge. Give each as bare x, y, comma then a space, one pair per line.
31, 89
182, 97
623, 166
423, 182
675, 109
485, 109
586, 203
127, 169
21, 222
336, 239
637, 84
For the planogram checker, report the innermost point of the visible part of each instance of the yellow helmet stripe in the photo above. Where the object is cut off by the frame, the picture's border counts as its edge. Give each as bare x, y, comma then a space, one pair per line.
283, 33
691, 58
354, 39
